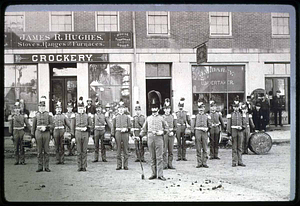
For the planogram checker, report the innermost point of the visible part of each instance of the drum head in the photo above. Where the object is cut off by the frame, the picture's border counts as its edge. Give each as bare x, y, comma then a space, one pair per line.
260, 143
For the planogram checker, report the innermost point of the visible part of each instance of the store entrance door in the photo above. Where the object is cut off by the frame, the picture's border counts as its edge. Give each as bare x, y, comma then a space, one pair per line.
63, 85
161, 85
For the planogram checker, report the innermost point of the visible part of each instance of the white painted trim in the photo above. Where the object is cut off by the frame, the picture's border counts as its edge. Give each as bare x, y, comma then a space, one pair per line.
118, 18
118, 22
96, 21
283, 36
218, 35
72, 17
50, 21
24, 27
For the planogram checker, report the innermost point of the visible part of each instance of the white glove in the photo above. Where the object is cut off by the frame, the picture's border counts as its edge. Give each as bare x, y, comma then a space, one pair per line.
113, 140
84, 129
73, 141
43, 128
159, 133
33, 140
171, 134
124, 130
193, 138
239, 128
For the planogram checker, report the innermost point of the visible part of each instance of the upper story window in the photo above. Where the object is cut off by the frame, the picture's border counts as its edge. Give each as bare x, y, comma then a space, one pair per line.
220, 23
61, 21
280, 25
107, 21
14, 21
158, 23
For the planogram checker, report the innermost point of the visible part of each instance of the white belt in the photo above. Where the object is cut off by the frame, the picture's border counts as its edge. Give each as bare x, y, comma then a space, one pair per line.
102, 126
135, 129
235, 127
60, 127
119, 129
80, 128
201, 128
180, 124
40, 126
18, 128
215, 125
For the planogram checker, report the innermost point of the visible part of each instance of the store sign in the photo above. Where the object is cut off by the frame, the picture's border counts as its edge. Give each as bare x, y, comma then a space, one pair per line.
57, 58
61, 40
208, 79
201, 54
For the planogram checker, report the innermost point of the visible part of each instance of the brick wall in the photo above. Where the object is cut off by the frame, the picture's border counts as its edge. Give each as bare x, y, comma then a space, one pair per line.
84, 21
36, 21
125, 18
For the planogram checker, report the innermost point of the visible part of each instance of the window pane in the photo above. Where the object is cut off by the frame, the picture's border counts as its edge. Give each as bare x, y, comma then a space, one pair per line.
275, 21
158, 29
106, 27
219, 21
61, 27
68, 27
100, 28
29, 94
10, 76
151, 70
286, 30
279, 68
55, 27
114, 28
268, 68
164, 20
100, 20
68, 20
106, 19
113, 19
225, 30
225, 21
61, 19
164, 29
288, 68
157, 20
151, 20
151, 29
213, 29
99, 73
164, 70
213, 20
26, 75
10, 96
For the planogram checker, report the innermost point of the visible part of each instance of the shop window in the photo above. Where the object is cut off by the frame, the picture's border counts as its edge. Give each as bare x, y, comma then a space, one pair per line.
280, 25
158, 70
61, 21
110, 83
107, 21
220, 23
14, 21
158, 23
220, 83
277, 68
20, 82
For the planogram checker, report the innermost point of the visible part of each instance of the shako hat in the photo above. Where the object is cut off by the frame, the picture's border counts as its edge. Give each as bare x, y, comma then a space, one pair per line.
154, 99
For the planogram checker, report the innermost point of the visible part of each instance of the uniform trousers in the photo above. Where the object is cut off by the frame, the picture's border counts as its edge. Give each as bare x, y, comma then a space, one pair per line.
155, 146
58, 135
168, 148
122, 141
82, 140
139, 147
181, 142
18, 145
42, 143
99, 136
246, 137
214, 141
278, 112
237, 139
201, 144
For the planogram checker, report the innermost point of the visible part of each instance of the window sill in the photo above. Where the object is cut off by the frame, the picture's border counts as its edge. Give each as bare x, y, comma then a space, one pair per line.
280, 36
220, 37
158, 36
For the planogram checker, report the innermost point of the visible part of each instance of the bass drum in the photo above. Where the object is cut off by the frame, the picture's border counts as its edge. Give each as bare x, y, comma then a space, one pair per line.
27, 140
260, 143
144, 141
67, 138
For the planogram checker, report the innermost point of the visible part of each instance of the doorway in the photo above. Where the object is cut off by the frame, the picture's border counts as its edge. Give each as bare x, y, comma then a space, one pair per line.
161, 85
63, 85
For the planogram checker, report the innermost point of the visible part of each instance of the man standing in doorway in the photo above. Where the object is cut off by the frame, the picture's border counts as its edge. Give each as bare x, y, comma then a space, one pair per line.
183, 118
278, 106
155, 127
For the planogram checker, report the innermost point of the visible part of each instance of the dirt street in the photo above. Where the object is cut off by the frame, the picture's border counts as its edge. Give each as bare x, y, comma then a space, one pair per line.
265, 178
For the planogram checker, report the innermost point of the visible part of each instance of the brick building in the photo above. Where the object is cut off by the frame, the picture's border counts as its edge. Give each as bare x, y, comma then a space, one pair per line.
124, 54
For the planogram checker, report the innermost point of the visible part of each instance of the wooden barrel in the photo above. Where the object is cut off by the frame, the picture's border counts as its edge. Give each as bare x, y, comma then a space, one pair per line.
107, 139
260, 143
67, 138
27, 140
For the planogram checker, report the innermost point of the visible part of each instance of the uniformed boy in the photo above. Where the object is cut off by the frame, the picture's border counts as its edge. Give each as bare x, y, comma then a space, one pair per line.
183, 118
137, 123
42, 123
71, 143
247, 118
121, 126
60, 122
200, 125
235, 127
215, 130
155, 127
16, 129
169, 136
81, 125
100, 124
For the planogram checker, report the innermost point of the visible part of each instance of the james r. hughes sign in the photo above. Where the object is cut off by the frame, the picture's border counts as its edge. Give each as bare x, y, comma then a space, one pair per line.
52, 40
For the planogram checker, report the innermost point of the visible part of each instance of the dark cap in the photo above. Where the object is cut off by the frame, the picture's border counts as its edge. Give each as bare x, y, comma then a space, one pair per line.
257, 104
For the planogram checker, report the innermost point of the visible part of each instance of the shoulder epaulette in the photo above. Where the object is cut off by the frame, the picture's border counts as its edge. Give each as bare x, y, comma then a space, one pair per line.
228, 116
193, 116
25, 115
250, 115
73, 115
50, 113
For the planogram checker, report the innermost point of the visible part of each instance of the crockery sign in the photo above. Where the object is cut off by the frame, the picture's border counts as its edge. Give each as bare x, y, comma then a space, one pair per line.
56, 58
53, 40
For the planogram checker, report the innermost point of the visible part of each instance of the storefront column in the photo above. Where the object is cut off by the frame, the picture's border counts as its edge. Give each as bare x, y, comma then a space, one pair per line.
182, 85
82, 81
255, 78
139, 94
44, 83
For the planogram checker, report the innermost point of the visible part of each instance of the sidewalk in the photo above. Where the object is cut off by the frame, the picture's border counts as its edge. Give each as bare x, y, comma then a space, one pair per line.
279, 135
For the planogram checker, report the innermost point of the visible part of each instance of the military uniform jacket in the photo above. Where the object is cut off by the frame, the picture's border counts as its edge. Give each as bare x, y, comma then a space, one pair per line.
216, 119
90, 109
60, 120
183, 117
119, 122
42, 119
247, 118
138, 122
17, 121
235, 119
277, 104
201, 120
154, 123
171, 121
81, 121
100, 121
